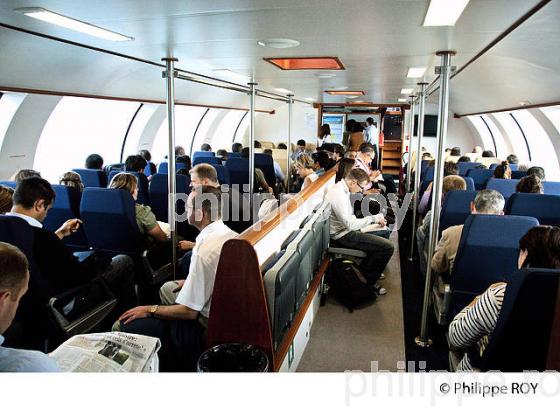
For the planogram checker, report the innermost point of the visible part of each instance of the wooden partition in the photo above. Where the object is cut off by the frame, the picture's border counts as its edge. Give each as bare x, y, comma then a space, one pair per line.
239, 311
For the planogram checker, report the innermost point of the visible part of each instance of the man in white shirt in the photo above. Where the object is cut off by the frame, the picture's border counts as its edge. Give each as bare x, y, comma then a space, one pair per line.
345, 228
180, 326
14, 279
371, 136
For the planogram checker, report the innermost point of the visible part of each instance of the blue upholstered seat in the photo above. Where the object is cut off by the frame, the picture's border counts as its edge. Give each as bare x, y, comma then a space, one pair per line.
488, 253
92, 178
504, 186
480, 177
543, 207
466, 166
456, 208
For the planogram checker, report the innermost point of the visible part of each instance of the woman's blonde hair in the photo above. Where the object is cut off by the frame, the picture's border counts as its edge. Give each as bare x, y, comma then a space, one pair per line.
6, 194
72, 179
124, 181
305, 161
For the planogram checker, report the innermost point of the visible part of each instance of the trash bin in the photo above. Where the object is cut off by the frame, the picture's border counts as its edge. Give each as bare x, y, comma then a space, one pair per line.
233, 357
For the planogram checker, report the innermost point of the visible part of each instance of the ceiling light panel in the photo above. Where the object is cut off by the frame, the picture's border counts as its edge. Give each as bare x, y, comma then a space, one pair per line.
72, 24
407, 90
444, 12
356, 92
416, 72
278, 43
306, 63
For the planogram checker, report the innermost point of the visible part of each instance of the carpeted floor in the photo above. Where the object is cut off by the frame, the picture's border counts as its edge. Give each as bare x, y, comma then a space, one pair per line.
341, 340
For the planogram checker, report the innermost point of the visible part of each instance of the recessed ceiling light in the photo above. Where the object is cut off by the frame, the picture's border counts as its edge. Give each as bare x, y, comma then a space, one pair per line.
306, 63
325, 75
524, 103
284, 90
407, 90
359, 101
352, 96
444, 12
403, 100
278, 43
72, 24
416, 72
310, 99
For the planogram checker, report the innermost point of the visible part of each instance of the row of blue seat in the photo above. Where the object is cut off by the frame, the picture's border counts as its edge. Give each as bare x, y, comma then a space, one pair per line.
456, 208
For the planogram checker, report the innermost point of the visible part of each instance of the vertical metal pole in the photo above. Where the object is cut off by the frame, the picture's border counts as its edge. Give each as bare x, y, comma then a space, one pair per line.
169, 75
421, 104
443, 114
289, 144
410, 135
252, 142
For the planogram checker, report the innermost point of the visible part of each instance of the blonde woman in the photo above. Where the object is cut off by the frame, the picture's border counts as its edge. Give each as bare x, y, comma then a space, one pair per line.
305, 168
145, 218
73, 180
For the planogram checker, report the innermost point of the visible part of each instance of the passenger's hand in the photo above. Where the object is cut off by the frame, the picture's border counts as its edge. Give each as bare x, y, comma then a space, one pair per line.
68, 228
371, 191
180, 284
374, 175
131, 315
382, 222
185, 245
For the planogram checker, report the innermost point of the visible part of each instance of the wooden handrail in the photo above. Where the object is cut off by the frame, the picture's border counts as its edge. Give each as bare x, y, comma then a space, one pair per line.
253, 235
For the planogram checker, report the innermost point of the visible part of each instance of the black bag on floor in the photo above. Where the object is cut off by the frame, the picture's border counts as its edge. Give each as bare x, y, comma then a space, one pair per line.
348, 284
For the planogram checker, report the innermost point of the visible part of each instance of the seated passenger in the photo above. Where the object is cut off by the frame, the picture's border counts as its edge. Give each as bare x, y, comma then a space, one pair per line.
345, 228
502, 171
236, 147
471, 329
184, 159
24, 173
449, 168
73, 180
488, 154
338, 152
145, 218
257, 144
537, 171
222, 154
488, 202
180, 325
323, 162
455, 152
277, 170
531, 184
204, 147
305, 168
282, 146
144, 153
94, 161
366, 154
179, 151
6, 203
477, 150
512, 159
464, 158
300, 149
450, 183
135, 163
352, 154
345, 165
14, 279
32, 200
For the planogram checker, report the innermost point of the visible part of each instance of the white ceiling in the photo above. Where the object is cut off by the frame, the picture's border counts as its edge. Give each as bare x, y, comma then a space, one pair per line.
377, 40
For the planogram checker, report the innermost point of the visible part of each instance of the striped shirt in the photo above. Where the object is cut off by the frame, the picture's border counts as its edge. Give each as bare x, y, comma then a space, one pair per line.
476, 322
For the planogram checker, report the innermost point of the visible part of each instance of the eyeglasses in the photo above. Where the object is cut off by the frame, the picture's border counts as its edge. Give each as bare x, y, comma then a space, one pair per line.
361, 187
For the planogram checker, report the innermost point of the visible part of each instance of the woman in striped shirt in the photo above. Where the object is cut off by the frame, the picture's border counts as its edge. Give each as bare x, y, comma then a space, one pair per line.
538, 248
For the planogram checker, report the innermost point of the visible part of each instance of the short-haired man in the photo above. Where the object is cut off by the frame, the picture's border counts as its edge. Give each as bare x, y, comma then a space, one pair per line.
14, 279
512, 159
33, 198
345, 227
179, 325
300, 149
371, 136
135, 163
25, 173
488, 202
179, 151
236, 147
206, 147
94, 161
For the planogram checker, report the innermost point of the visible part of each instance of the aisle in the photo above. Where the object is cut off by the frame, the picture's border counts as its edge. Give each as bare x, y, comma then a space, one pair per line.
351, 341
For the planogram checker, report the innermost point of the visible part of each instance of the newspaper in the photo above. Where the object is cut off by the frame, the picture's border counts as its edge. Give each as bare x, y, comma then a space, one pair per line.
108, 352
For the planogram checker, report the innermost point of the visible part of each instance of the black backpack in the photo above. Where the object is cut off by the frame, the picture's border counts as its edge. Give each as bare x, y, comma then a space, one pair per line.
348, 284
